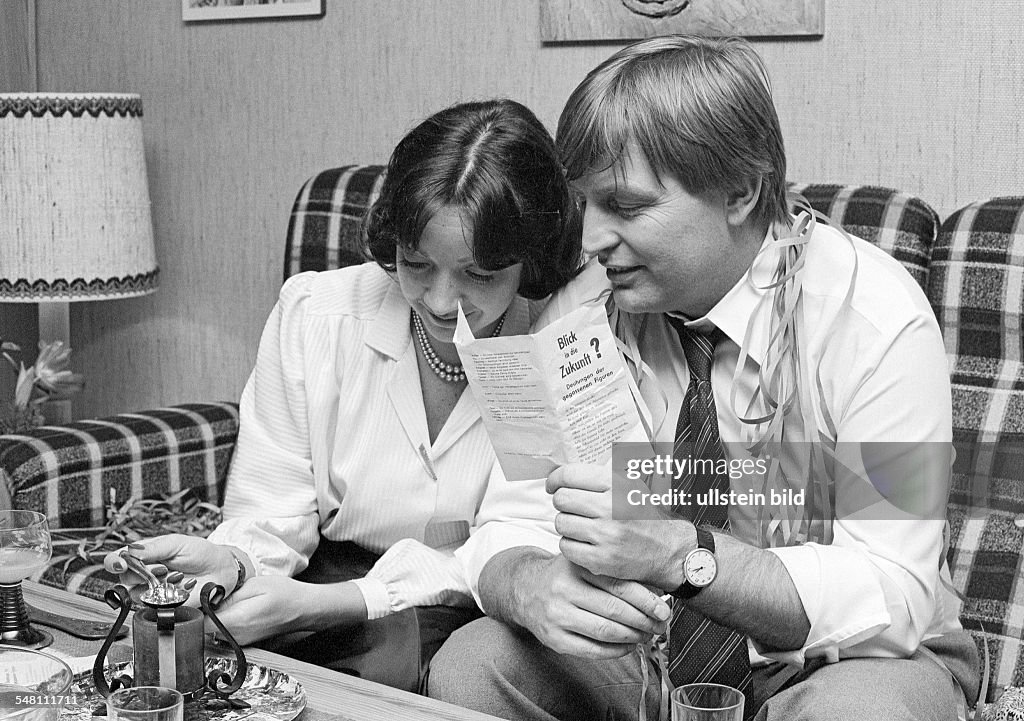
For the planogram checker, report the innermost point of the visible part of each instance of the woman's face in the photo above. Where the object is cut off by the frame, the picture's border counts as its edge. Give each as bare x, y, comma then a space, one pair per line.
441, 273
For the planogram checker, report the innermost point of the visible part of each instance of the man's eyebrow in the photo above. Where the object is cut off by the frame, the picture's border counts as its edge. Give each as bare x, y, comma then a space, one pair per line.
621, 189
629, 193
637, 194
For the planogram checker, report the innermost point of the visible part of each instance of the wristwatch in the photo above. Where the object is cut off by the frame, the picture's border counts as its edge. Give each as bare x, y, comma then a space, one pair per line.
700, 567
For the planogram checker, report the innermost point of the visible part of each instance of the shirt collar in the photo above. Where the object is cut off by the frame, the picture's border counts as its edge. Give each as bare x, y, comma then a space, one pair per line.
389, 330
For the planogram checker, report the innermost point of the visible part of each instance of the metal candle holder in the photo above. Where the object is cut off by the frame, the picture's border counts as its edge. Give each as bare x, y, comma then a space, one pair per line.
167, 637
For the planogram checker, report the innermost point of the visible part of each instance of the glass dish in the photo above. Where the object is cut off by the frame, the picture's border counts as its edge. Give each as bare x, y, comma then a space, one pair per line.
271, 694
43, 677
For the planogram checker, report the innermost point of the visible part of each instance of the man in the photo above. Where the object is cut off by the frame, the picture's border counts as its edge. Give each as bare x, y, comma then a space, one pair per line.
783, 339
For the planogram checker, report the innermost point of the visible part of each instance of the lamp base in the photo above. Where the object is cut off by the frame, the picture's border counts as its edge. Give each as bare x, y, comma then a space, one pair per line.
55, 324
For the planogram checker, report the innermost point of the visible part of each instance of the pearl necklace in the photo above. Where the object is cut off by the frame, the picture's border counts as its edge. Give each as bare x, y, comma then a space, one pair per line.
448, 372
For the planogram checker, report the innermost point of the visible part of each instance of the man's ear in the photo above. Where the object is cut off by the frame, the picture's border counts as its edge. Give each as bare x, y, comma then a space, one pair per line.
741, 201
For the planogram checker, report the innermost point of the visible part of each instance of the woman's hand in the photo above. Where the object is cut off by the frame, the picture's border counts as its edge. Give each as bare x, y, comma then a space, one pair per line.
264, 606
195, 557
268, 606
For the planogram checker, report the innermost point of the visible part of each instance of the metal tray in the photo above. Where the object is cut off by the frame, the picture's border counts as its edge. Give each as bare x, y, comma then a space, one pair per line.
270, 694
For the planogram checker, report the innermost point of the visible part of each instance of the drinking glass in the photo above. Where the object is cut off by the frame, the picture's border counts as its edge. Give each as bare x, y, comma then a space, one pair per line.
33, 685
145, 703
25, 547
706, 702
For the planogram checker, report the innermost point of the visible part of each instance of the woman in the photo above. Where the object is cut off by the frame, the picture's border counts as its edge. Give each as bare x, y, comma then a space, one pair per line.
360, 453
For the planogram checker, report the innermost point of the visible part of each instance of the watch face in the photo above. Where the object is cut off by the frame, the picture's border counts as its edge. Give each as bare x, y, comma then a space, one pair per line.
700, 567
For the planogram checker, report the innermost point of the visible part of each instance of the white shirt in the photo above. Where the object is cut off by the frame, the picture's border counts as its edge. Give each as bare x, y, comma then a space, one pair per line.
881, 586
333, 440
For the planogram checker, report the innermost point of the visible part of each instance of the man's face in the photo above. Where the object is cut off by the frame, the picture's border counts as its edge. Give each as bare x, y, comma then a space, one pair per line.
663, 248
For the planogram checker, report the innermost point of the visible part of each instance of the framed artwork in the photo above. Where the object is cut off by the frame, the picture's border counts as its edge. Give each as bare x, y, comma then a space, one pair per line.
589, 20
193, 10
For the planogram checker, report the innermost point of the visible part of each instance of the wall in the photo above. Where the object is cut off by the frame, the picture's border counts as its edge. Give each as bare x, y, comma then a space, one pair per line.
921, 96
17, 46
18, 322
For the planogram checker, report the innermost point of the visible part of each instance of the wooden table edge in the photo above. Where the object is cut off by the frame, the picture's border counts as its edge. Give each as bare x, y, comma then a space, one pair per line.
327, 691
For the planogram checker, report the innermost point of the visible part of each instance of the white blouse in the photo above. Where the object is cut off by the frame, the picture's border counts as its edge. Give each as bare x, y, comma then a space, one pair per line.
333, 441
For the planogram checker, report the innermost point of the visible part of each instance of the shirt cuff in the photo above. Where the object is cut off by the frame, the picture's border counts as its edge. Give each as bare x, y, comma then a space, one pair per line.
492, 539
841, 596
375, 596
240, 545
264, 542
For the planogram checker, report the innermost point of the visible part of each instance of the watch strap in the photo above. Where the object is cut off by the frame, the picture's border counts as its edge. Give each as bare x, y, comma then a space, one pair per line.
705, 540
243, 571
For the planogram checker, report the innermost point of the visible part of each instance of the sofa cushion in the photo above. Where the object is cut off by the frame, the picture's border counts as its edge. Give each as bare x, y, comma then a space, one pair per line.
976, 288
70, 473
325, 230
902, 225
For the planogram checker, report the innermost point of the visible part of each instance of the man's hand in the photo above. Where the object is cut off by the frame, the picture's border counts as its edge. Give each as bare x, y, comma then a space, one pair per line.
195, 557
629, 545
569, 609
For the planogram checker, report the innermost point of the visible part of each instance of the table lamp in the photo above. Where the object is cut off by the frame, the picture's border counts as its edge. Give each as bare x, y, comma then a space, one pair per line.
74, 204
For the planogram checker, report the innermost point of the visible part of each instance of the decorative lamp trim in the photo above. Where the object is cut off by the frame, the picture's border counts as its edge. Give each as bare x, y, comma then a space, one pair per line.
57, 104
26, 291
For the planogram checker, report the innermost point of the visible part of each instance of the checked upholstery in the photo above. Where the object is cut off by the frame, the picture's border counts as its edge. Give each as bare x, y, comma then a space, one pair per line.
325, 230
976, 287
902, 225
70, 473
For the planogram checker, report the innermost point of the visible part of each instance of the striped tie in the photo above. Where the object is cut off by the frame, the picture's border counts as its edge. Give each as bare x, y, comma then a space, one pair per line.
701, 650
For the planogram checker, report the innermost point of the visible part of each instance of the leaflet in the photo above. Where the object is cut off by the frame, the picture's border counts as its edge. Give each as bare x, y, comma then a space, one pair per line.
559, 395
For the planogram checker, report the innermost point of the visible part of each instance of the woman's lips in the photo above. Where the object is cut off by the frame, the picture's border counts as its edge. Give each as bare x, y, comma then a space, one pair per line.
440, 322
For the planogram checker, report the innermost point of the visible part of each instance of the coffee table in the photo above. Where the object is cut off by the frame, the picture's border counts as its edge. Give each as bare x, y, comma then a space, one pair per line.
327, 692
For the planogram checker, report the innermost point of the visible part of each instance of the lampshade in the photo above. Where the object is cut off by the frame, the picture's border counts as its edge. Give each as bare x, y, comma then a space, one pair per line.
74, 200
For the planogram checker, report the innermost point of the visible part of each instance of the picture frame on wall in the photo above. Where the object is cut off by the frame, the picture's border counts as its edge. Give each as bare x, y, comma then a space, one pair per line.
597, 20
199, 10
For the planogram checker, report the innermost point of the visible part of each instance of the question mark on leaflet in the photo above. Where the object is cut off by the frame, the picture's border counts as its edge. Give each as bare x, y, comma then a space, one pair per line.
597, 346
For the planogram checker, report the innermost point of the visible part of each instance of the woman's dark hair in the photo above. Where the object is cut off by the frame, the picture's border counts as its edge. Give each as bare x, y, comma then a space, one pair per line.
496, 162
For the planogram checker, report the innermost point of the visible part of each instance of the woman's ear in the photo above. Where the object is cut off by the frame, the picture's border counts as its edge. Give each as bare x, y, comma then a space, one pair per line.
741, 201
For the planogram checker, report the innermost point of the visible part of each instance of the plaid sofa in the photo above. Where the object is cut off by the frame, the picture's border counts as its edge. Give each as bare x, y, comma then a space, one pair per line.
902, 225
976, 287
325, 229
972, 267
73, 473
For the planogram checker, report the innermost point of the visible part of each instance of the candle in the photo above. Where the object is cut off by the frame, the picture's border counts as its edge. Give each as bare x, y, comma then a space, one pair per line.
189, 662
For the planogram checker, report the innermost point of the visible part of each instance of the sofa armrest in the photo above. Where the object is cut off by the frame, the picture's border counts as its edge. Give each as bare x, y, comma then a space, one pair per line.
69, 473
